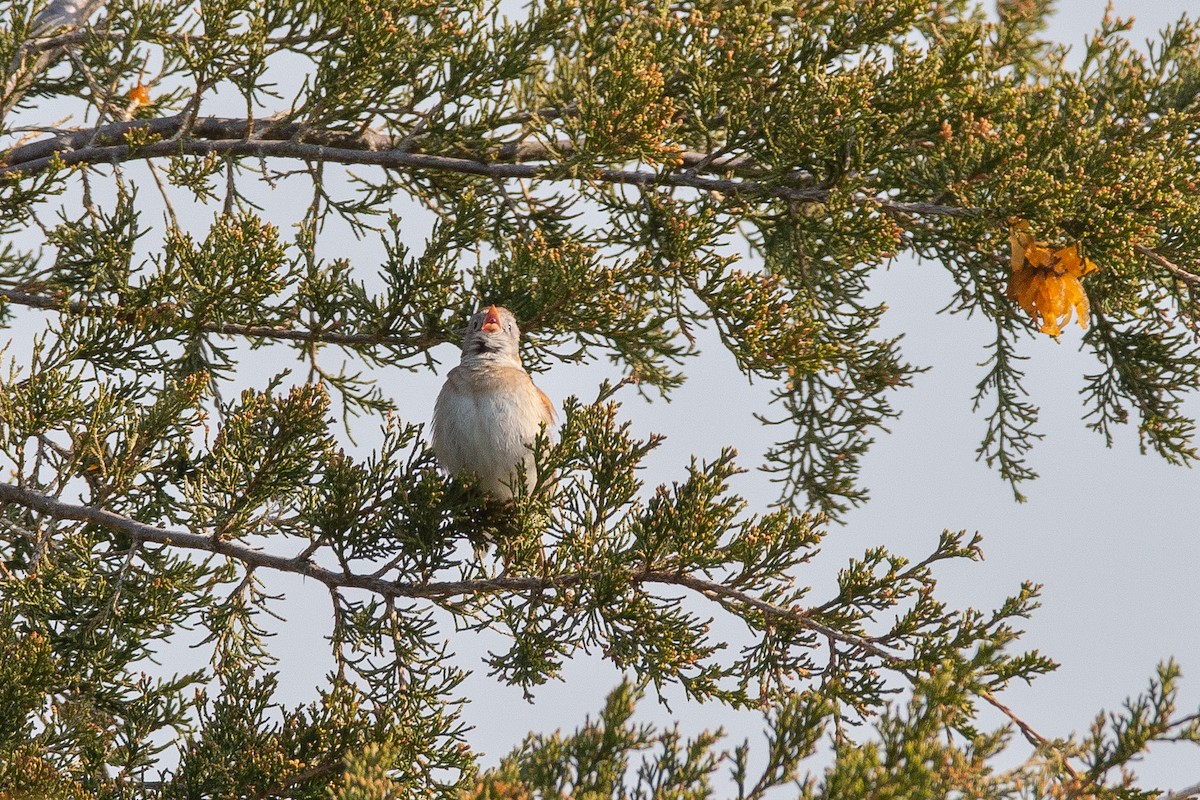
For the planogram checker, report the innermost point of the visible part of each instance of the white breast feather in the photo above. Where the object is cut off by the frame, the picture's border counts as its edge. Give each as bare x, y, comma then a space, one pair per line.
488, 433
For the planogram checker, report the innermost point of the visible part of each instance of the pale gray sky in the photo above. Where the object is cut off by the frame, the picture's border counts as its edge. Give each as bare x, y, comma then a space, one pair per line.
1111, 533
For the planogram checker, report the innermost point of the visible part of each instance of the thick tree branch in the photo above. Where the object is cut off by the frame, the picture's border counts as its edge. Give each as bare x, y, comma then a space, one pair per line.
274, 139
140, 531
83, 35
268, 129
436, 590
441, 590
267, 138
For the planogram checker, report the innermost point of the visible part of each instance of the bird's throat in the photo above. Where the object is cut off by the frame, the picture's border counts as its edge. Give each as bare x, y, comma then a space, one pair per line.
481, 347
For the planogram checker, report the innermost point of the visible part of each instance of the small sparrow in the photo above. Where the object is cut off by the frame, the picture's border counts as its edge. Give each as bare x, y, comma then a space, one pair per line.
57, 14
64, 14
489, 411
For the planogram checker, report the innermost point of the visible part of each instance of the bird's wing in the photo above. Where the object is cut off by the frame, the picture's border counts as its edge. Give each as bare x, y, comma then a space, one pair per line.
548, 412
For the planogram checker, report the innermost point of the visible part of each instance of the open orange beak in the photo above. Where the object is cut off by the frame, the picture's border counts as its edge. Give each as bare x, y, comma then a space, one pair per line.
491, 323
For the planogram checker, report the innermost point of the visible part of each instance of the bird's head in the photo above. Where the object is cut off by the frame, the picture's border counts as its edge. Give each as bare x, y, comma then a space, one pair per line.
492, 335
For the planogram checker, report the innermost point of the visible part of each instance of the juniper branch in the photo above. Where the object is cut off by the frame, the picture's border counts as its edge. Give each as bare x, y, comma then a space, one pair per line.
1032, 736
274, 139
302, 564
51, 302
1170, 266
1190, 793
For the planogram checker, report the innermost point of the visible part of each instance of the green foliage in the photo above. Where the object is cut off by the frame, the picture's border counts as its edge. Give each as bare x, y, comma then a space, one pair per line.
621, 175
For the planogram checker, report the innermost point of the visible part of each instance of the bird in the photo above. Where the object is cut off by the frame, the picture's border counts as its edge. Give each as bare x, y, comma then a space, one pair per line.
489, 411
54, 18
64, 14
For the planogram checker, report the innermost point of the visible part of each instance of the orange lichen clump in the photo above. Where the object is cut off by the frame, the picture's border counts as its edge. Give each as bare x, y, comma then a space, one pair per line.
1045, 282
139, 95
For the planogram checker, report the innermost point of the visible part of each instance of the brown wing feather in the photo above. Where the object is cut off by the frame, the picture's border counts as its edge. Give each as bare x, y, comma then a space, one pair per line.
548, 412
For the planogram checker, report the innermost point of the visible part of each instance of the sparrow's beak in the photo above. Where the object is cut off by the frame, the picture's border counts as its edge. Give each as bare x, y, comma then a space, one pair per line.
491, 323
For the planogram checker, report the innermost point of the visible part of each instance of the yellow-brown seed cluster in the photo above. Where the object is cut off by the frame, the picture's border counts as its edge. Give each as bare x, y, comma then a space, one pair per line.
1045, 283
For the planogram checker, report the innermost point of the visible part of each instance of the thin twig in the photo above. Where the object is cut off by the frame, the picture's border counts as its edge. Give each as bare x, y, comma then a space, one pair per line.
1170, 266
166, 197
46, 301
81, 35
1182, 794
316, 544
715, 590
1031, 735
